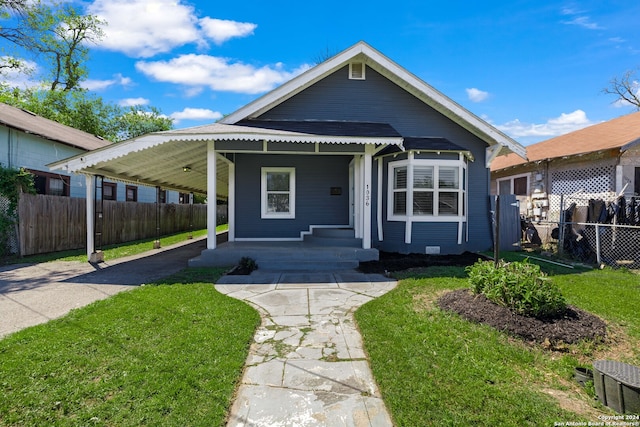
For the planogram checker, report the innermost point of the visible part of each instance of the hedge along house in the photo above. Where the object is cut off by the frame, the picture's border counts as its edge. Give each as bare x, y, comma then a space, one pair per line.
354, 153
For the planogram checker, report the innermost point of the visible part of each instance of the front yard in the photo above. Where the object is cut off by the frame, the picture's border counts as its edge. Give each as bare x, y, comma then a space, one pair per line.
172, 354
435, 368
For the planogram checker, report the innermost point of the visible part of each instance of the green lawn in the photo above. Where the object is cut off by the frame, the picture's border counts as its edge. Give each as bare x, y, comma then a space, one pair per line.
119, 250
435, 368
165, 354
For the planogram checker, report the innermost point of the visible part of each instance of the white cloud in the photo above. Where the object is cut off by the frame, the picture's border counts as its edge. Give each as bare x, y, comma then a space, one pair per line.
132, 102
580, 19
144, 28
98, 85
217, 73
195, 114
221, 30
565, 123
19, 78
477, 95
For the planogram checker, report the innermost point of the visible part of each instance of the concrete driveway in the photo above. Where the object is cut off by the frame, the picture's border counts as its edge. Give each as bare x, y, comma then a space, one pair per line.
36, 293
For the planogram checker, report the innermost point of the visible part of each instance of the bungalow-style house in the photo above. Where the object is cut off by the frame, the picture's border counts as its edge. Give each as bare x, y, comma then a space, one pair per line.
32, 142
599, 161
356, 152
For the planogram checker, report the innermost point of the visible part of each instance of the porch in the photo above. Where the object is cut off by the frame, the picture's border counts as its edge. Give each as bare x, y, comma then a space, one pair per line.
287, 255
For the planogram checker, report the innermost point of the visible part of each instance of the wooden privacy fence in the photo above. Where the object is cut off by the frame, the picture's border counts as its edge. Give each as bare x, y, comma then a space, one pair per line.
54, 223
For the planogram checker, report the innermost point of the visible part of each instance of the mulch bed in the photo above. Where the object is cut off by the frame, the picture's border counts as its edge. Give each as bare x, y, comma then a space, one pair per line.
392, 261
574, 326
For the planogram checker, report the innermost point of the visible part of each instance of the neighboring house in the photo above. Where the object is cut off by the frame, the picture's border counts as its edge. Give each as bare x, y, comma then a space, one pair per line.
355, 143
31, 142
601, 160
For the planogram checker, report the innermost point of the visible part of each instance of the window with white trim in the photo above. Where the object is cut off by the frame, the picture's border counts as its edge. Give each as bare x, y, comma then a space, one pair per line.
426, 190
518, 185
278, 193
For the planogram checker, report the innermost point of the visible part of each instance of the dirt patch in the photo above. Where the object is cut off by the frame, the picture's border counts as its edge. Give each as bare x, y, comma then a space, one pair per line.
392, 261
573, 326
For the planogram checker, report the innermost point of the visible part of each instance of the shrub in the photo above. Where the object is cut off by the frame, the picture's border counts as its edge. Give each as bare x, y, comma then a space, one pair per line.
248, 264
520, 286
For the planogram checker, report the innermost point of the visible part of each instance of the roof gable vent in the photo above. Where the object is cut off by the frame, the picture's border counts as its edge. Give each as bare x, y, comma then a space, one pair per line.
356, 71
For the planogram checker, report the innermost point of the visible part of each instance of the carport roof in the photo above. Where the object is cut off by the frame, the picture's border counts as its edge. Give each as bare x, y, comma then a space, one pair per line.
177, 159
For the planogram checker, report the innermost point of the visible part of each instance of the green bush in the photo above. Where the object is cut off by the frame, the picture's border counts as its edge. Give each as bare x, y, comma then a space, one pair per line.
520, 286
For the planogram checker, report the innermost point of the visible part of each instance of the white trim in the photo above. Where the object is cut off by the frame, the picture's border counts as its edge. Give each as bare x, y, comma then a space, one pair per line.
215, 132
231, 203
407, 231
212, 205
436, 164
292, 239
357, 196
91, 191
264, 213
379, 204
511, 183
366, 202
363, 70
268, 239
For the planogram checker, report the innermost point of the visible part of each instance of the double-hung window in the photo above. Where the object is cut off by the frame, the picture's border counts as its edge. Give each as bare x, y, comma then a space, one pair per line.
278, 195
426, 190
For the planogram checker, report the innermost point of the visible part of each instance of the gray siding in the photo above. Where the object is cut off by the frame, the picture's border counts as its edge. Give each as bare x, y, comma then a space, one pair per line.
315, 175
377, 99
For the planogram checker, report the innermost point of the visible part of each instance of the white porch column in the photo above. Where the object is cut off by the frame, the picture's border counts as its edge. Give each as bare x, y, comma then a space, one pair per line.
357, 197
231, 203
367, 166
91, 208
212, 198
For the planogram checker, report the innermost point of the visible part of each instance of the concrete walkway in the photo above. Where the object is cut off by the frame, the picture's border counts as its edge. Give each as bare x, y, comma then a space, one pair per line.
307, 366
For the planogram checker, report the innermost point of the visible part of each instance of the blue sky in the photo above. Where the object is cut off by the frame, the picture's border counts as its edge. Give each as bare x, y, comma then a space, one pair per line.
535, 69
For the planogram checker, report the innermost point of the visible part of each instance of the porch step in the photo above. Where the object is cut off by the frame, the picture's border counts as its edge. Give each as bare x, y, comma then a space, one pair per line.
333, 237
296, 265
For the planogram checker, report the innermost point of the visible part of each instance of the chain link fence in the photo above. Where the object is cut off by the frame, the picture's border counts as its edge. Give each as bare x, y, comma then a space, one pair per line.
601, 244
596, 228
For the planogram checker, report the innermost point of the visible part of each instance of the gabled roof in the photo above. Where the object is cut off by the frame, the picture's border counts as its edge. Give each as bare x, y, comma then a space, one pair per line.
620, 133
361, 51
29, 122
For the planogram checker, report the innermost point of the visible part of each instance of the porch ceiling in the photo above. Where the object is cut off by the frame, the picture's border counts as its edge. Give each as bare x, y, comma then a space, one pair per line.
164, 165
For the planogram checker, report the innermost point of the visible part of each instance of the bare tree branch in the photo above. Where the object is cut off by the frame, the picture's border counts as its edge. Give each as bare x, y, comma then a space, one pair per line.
625, 88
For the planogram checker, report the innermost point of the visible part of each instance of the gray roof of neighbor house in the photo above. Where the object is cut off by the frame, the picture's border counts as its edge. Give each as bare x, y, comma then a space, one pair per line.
31, 123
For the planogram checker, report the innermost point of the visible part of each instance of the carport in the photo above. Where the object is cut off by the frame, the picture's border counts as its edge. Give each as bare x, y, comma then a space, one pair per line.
186, 160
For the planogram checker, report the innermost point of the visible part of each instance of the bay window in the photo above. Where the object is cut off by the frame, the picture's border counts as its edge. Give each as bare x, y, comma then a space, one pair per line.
427, 190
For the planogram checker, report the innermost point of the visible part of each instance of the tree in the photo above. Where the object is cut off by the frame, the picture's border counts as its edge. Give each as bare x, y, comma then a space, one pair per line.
140, 120
83, 110
626, 88
58, 37
61, 37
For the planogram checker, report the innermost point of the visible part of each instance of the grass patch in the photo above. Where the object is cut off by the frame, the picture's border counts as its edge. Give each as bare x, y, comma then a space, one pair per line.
435, 368
116, 251
165, 354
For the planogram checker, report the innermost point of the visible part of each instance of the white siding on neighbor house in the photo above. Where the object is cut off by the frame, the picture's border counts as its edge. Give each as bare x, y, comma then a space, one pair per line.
22, 150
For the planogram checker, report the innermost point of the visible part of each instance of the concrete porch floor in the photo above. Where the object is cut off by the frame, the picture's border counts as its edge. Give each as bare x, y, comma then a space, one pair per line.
290, 255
